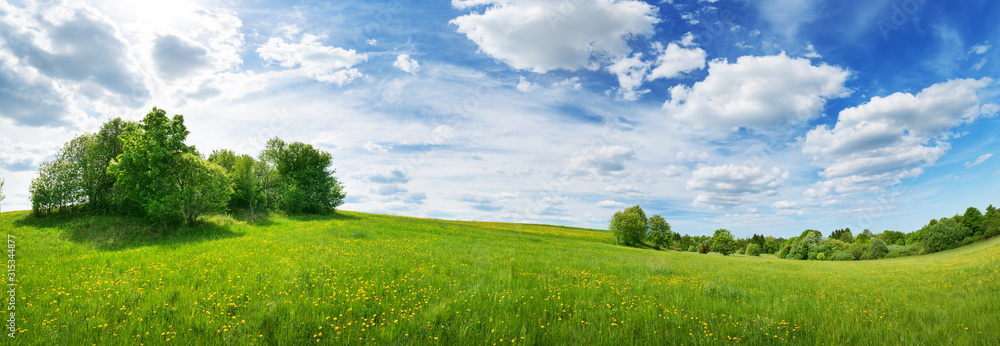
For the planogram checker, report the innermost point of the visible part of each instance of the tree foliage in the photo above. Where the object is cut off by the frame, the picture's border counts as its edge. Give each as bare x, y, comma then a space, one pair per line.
943, 235
306, 180
753, 250
972, 222
770, 246
629, 226
659, 232
723, 242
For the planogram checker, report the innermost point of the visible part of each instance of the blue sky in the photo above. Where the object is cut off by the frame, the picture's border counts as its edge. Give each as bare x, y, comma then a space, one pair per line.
757, 116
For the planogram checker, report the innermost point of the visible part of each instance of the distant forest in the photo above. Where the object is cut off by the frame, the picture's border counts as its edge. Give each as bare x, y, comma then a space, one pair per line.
632, 228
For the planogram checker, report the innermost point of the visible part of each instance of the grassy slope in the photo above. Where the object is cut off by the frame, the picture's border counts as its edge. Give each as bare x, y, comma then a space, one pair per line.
379, 279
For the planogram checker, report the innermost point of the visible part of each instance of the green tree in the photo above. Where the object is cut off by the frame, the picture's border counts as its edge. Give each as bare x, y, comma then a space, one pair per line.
245, 173
806, 245
306, 176
944, 235
629, 226
723, 242
785, 250
972, 222
197, 187
864, 238
753, 250
876, 250
60, 182
770, 246
145, 170
106, 146
843, 235
659, 232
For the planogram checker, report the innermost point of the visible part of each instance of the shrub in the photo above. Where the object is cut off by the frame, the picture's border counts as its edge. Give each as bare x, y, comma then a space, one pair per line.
842, 256
858, 249
741, 251
753, 250
784, 251
703, 248
770, 246
821, 256
877, 249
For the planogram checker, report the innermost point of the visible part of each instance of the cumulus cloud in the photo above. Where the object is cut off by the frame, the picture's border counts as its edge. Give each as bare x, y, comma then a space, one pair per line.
376, 148
523, 85
79, 47
611, 204
406, 64
757, 92
731, 185
176, 57
627, 191
979, 160
387, 189
314, 60
552, 34
671, 171
489, 202
675, 61
631, 72
879, 143
603, 161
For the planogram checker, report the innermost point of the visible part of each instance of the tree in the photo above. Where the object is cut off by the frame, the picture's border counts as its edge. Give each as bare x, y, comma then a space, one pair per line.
659, 232
723, 242
864, 238
753, 250
246, 173
785, 250
770, 246
306, 177
972, 222
629, 226
145, 170
876, 250
944, 235
198, 187
106, 146
806, 245
843, 235
2, 197
59, 183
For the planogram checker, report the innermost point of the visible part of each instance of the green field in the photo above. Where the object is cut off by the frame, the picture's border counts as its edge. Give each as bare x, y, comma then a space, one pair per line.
374, 279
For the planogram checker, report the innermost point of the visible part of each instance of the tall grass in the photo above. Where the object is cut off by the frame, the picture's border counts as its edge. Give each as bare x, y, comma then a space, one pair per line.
364, 278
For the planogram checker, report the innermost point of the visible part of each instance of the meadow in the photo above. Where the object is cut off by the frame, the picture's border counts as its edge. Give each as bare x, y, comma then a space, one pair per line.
374, 279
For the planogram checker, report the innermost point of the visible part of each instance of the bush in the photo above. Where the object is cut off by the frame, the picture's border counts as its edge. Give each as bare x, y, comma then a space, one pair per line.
692, 248
307, 173
740, 251
784, 251
858, 249
821, 256
753, 250
629, 226
902, 251
703, 248
770, 246
842, 256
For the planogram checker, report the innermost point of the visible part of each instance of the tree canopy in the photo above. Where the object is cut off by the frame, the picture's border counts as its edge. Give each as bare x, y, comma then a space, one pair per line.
629, 226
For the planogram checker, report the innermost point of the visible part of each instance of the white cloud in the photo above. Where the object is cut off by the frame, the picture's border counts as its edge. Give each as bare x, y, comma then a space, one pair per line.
388, 176
568, 82
611, 204
406, 64
523, 85
631, 72
757, 92
674, 61
442, 133
979, 65
313, 59
980, 49
810, 52
731, 185
626, 191
979, 160
376, 148
879, 143
603, 161
547, 35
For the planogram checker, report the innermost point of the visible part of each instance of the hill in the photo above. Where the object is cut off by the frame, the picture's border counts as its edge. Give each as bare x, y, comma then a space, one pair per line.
366, 278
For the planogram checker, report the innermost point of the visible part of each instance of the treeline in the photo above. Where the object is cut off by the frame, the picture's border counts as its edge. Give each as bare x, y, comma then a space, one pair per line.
146, 169
841, 245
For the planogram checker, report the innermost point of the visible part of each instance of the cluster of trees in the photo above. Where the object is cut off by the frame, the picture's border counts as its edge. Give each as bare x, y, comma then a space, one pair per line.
632, 228
146, 169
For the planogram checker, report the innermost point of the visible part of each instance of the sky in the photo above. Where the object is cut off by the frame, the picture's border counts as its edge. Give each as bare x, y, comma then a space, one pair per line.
770, 116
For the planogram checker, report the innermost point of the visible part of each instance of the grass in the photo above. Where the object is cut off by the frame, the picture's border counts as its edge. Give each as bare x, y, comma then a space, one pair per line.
374, 279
